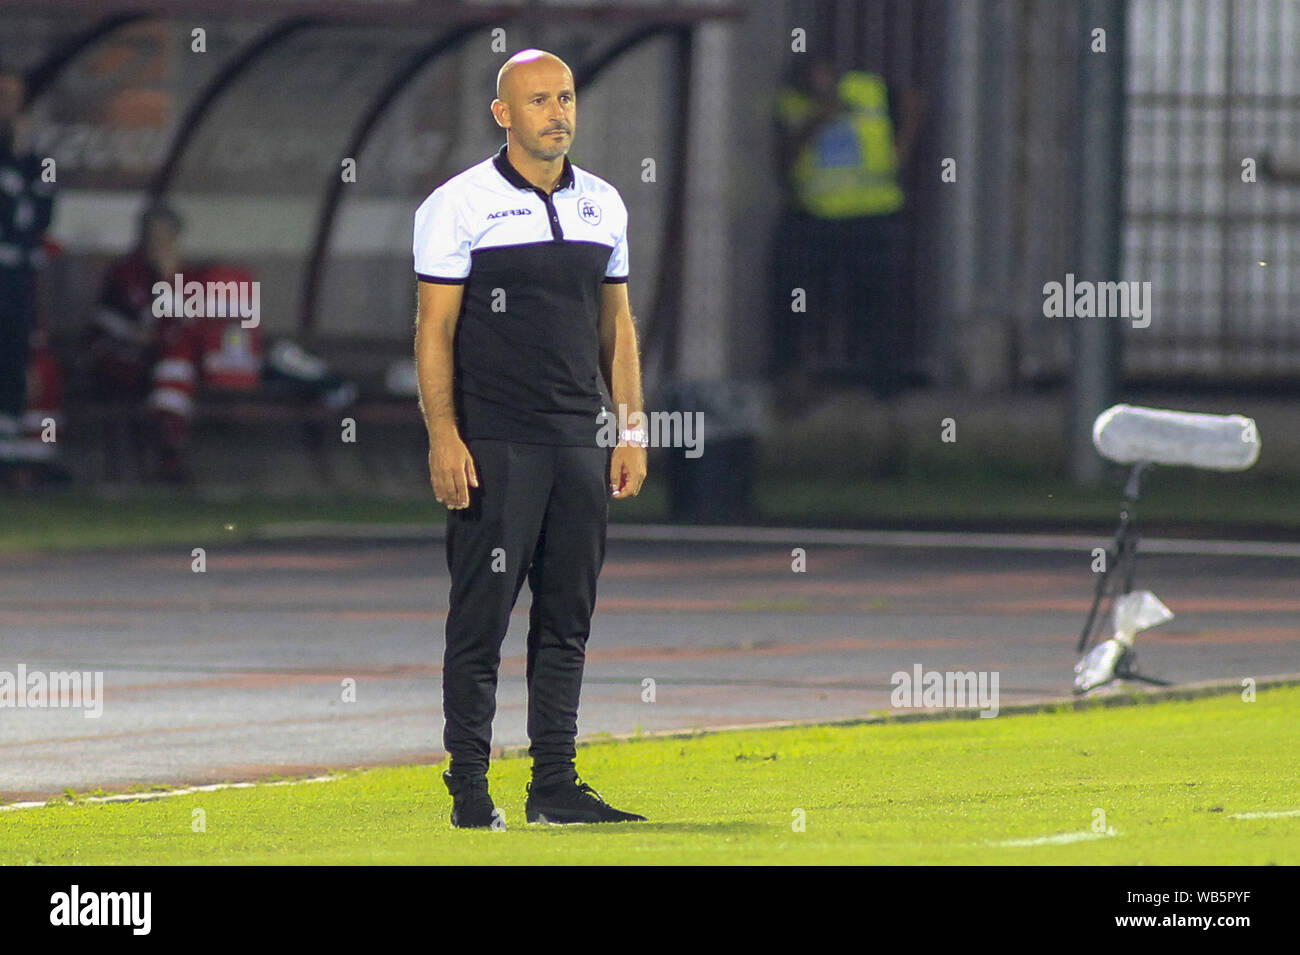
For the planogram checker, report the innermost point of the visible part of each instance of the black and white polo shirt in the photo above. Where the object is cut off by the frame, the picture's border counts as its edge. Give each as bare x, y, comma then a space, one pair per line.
527, 350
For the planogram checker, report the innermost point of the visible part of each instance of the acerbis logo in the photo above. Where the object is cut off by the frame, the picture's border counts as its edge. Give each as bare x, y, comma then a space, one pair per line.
589, 211
510, 212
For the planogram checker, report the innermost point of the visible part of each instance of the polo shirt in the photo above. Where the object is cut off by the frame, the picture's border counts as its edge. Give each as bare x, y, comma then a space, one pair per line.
527, 345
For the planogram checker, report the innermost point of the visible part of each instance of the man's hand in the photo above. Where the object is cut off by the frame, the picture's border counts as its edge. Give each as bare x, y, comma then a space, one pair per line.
451, 471
627, 469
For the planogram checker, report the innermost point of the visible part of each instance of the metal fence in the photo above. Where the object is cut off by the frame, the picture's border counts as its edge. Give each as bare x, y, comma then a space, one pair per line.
1214, 88
1209, 84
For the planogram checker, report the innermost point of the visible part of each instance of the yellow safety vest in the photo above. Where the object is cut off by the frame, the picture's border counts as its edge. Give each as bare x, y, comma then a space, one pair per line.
849, 167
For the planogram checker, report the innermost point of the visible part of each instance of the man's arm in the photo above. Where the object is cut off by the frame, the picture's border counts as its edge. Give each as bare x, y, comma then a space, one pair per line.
621, 366
451, 469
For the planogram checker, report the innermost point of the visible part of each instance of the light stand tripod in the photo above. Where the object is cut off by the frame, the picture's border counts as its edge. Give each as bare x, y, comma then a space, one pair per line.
1121, 560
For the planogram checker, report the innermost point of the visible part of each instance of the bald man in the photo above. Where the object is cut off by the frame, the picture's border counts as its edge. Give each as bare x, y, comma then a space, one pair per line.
524, 340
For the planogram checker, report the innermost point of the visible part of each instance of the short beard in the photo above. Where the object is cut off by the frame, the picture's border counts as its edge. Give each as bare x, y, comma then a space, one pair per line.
545, 154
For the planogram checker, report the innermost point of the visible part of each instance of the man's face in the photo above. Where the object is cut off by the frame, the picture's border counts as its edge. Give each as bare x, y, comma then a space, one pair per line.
822, 80
540, 108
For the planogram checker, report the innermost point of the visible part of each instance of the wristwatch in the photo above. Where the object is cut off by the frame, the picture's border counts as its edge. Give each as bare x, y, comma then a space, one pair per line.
636, 437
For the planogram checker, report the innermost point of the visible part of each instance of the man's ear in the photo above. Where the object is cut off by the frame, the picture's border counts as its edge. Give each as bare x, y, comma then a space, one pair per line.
500, 112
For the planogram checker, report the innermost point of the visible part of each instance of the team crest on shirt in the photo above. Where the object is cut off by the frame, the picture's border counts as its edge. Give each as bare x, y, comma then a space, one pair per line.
589, 211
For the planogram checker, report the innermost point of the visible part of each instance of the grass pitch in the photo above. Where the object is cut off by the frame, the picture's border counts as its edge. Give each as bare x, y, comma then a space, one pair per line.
1169, 777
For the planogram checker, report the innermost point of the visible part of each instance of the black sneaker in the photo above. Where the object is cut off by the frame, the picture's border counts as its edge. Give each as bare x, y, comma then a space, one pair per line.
471, 806
572, 803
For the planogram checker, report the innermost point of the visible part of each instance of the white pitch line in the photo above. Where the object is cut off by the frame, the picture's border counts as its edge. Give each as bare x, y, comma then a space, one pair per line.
786, 536
1265, 815
144, 797
849, 538
1059, 839
942, 540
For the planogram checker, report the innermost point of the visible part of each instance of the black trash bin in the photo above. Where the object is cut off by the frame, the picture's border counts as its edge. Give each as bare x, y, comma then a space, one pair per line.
716, 485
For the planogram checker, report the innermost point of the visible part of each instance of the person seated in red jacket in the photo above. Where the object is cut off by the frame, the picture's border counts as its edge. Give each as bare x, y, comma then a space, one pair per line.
145, 347
127, 339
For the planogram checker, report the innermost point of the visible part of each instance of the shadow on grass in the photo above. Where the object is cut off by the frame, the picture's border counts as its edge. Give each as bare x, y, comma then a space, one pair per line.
734, 827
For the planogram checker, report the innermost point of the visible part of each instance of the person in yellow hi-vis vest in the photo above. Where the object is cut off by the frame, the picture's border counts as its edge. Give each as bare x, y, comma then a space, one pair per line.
842, 143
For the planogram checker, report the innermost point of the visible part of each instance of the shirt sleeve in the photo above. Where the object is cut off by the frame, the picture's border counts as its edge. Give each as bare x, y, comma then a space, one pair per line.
616, 270
442, 244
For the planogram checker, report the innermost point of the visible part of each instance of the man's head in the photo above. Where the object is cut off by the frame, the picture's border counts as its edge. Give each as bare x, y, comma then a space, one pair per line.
814, 75
536, 104
160, 229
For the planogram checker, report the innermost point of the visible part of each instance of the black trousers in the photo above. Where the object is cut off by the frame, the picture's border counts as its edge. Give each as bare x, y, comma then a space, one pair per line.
850, 270
539, 513
17, 313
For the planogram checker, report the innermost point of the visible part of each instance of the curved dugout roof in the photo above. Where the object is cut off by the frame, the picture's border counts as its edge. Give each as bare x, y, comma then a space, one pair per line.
270, 107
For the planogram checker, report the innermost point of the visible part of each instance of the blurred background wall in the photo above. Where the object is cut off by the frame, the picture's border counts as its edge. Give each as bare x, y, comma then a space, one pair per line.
246, 139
